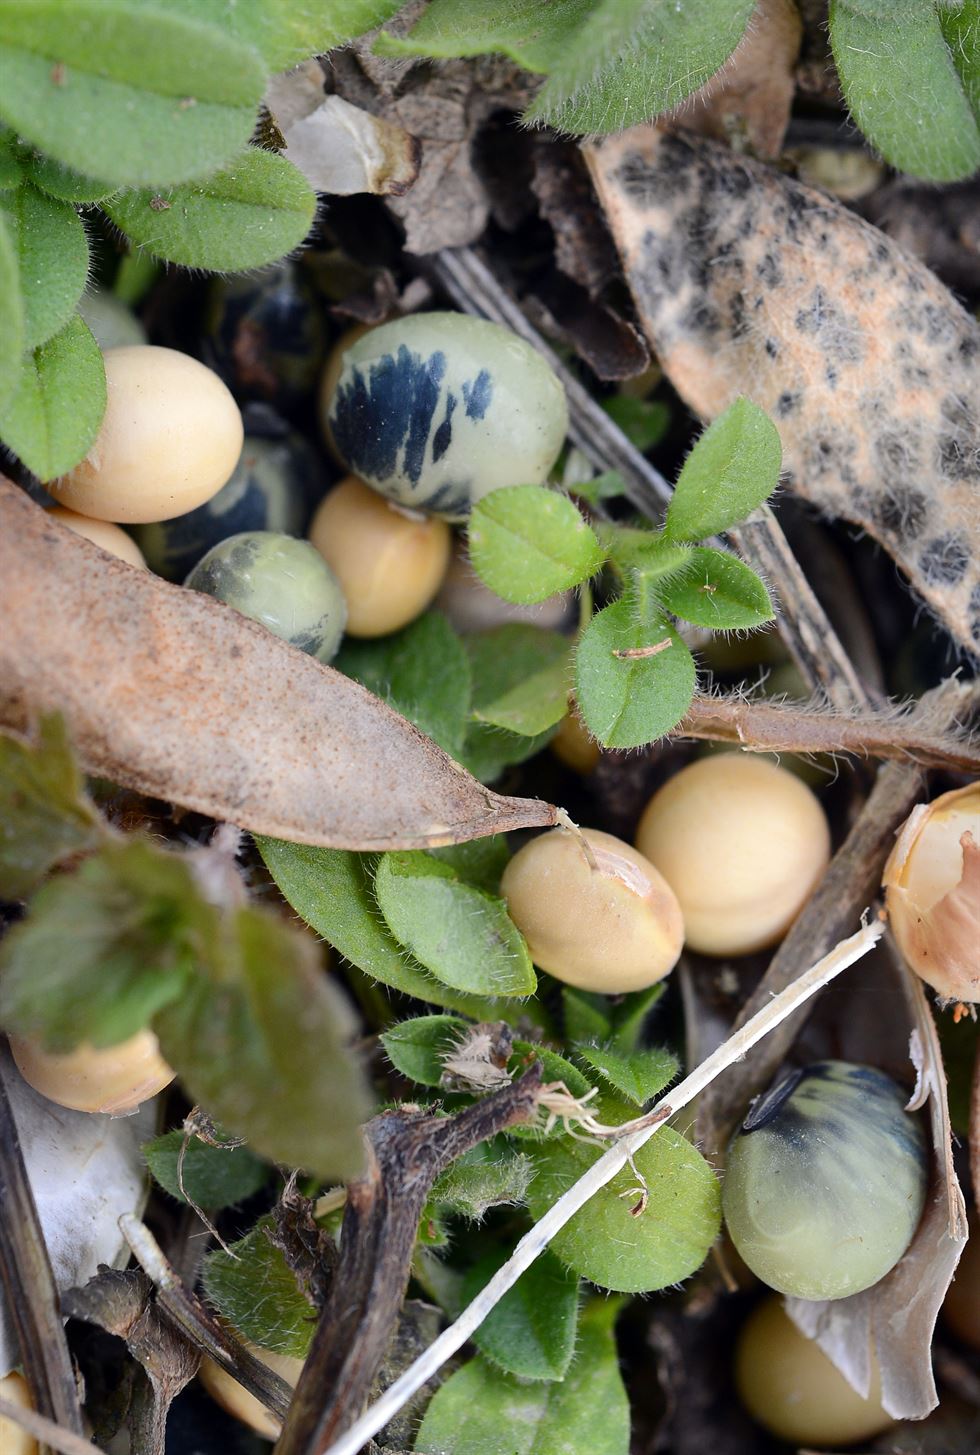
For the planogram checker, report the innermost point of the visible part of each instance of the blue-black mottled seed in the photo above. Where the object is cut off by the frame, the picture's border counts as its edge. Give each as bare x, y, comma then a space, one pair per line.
826, 1181
438, 409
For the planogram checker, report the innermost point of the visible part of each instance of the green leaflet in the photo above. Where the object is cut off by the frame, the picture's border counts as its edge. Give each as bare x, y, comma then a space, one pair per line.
45, 814
416, 1047
252, 212
715, 589
65, 183
643, 421
254, 1288
479, 861
531, 1331
586, 1411
527, 543
521, 677
732, 469
52, 258
460, 934
54, 412
125, 90
904, 91
287, 31
961, 27
489, 1175
637, 1075
213, 1177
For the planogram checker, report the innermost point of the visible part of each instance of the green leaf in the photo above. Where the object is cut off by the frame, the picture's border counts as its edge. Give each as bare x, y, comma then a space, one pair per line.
255, 1290
489, 1175
417, 1047
422, 672
487, 750
214, 1177
629, 1017
287, 31
586, 1015
531, 1331
732, 469
65, 183
462, 935
103, 949
716, 590
903, 89
331, 890
610, 485
262, 1043
521, 677
527, 543
628, 701
52, 257
11, 161
555, 1068
56, 408
961, 28
480, 862
644, 422
254, 211
478, 1408
637, 1075
604, 1242
45, 813
125, 90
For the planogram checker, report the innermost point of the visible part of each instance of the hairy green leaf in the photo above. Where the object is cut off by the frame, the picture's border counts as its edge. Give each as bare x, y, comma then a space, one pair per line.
11, 160
555, 1068
287, 31
45, 813
521, 677
254, 211
213, 1177
331, 889
460, 934
961, 28
643, 421
904, 91
716, 590
527, 543
637, 1075
104, 948
255, 1290
586, 1411
586, 1015
610, 485
628, 700
261, 1041
629, 1017
487, 750
422, 672
125, 90
531, 1331
416, 1047
480, 862
489, 1175
54, 412
732, 469
52, 258
604, 1242
65, 183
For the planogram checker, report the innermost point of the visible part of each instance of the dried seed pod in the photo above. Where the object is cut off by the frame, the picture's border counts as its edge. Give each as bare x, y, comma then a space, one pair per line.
961, 1307
826, 1181
932, 892
113, 1079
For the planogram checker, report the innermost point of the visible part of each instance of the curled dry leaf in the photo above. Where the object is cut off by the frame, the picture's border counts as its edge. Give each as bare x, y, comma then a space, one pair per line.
169, 692
338, 147
748, 282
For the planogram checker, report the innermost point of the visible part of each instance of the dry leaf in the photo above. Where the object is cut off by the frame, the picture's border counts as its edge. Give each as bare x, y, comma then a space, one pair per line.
747, 282
338, 147
178, 696
748, 101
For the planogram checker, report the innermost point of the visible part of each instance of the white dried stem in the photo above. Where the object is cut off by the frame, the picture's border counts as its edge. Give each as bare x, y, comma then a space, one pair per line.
533, 1244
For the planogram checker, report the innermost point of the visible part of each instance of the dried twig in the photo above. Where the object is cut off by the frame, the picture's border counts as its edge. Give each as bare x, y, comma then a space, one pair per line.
598, 1175
28, 1282
56, 1437
409, 1150
800, 727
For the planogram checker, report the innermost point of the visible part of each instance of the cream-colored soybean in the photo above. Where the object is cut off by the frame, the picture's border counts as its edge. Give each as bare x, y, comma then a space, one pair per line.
237, 1401
574, 745
114, 1080
389, 565
101, 533
788, 1385
14, 1440
170, 438
742, 843
611, 927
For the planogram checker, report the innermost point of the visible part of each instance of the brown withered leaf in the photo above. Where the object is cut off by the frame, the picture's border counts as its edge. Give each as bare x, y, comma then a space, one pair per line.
176, 695
748, 282
747, 102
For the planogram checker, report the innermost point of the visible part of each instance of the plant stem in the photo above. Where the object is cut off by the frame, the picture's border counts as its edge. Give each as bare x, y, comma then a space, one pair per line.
601, 1172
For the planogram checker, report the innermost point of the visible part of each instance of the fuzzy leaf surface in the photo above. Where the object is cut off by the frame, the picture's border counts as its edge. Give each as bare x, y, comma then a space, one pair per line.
531, 1331
489, 1175
52, 259
481, 862
716, 590
285, 32
253, 212
522, 677
126, 90
629, 701
527, 543
256, 1291
732, 469
213, 1177
45, 813
54, 412
637, 1075
416, 1047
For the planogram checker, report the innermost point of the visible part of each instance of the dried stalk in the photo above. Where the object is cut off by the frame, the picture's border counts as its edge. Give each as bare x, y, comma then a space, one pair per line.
408, 1151
799, 727
598, 1175
803, 623
46, 1432
28, 1282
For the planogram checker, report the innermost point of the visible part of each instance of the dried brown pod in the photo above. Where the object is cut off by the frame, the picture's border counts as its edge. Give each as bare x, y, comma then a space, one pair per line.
748, 282
171, 693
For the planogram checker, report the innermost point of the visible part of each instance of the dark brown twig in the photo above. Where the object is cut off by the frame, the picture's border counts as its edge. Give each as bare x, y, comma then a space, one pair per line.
407, 1152
28, 1282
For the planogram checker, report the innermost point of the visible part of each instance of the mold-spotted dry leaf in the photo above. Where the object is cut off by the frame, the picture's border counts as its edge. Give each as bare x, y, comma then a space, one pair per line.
171, 693
749, 283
